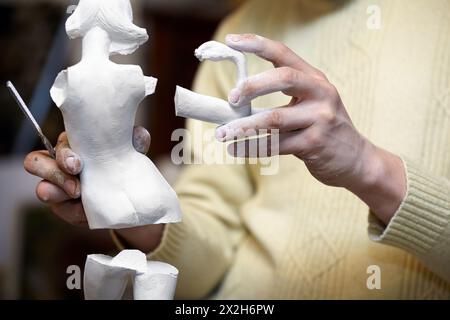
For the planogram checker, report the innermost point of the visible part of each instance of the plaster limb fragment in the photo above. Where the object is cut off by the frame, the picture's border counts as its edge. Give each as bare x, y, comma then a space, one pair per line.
192, 105
120, 187
105, 278
216, 51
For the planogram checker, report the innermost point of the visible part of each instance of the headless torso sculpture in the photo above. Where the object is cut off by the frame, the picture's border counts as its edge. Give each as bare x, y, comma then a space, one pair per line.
120, 187
99, 99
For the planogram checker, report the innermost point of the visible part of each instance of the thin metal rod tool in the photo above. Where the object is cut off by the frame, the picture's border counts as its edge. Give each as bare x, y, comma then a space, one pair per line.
30, 117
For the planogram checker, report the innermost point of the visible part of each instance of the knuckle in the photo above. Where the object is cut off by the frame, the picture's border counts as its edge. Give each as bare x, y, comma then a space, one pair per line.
330, 92
63, 142
58, 177
326, 114
320, 74
275, 119
281, 48
313, 139
61, 154
247, 88
62, 138
288, 75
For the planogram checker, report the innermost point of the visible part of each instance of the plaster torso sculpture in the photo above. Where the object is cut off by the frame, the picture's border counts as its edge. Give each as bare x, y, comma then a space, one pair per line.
99, 99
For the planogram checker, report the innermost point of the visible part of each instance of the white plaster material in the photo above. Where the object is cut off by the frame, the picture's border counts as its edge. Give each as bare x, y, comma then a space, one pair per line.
192, 105
120, 187
216, 51
105, 278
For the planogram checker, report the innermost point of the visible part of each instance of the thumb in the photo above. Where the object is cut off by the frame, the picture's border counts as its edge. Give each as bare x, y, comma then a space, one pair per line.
141, 139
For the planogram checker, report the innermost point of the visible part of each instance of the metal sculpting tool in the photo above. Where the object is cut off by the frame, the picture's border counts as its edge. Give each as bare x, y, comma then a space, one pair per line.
30, 117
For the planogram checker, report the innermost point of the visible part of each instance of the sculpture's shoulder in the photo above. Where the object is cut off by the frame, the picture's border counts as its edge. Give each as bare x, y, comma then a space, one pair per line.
119, 75
135, 72
58, 92
60, 89
129, 73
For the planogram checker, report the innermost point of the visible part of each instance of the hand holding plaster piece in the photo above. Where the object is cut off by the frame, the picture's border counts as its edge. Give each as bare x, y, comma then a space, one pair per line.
192, 105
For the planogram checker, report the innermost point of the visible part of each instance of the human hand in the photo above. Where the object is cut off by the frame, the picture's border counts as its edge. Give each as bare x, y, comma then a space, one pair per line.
61, 188
314, 126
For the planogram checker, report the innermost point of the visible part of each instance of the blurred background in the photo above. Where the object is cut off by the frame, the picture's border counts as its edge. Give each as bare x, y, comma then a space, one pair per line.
35, 247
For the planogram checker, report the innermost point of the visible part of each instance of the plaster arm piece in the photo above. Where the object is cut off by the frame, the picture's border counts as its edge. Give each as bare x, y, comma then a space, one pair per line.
189, 104
205, 108
105, 278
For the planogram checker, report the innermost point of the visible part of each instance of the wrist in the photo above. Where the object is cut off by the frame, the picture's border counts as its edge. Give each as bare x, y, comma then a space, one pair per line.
382, 181
144, 238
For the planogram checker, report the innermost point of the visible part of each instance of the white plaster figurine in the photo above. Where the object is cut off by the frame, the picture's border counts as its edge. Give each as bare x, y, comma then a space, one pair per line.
99, 99
192, 105
106, 278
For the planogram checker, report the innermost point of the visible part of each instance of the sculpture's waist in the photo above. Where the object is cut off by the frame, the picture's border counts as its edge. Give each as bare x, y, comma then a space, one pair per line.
100, 153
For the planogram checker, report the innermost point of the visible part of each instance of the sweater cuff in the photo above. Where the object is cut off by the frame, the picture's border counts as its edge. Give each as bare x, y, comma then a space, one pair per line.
422, 216
170, 247
165, 248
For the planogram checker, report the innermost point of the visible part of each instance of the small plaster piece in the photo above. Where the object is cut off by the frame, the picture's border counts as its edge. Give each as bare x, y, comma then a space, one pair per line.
105, 278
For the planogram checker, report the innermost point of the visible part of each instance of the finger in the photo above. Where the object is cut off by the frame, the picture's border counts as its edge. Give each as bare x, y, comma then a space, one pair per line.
49, 193
71, 212
267, 146
40, 164
283, 119
273, 51
141, 139
285, 79
67, 160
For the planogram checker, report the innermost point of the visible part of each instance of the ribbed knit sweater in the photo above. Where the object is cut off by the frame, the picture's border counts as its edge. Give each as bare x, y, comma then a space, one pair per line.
249, 236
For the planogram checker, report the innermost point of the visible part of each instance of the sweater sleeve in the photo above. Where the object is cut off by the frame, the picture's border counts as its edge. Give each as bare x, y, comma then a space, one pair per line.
421, 225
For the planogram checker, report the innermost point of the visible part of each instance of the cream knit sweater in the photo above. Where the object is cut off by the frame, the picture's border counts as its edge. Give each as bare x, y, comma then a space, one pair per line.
248, 236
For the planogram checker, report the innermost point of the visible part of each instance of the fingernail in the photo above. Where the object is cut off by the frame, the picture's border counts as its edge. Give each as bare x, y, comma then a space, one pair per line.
234, 96
71, 164
234, 37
